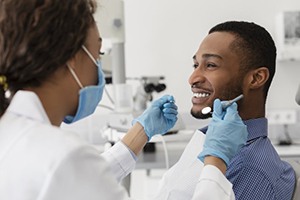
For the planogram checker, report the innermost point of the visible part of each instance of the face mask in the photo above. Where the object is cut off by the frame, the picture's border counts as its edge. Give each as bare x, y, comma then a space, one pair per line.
90, 96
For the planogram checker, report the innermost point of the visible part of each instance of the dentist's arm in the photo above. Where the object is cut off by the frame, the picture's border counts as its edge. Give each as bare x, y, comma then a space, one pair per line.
136, 138
215, 161
225, 136
157, 119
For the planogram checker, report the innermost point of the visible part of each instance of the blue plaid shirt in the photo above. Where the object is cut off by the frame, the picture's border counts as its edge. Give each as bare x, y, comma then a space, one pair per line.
257, 172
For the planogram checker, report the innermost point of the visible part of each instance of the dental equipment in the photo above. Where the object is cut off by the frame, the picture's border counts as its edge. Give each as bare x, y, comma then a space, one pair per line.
149, 85
225, 104
297, 98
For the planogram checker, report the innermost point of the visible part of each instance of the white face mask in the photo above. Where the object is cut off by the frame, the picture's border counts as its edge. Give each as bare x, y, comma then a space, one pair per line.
90, 96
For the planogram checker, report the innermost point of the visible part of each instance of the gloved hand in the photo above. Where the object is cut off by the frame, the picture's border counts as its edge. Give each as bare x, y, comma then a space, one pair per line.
159, 117
226, 133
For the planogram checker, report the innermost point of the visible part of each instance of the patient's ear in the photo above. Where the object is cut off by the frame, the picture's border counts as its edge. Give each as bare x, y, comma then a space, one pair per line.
257, 78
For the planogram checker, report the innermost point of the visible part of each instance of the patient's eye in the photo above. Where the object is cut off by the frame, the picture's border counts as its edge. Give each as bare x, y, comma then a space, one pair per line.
210, 65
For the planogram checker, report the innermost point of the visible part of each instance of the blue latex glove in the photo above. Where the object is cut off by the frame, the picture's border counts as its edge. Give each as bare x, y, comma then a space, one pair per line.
160, 117
226, 133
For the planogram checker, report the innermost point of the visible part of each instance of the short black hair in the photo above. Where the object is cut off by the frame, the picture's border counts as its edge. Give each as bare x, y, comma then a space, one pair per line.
254, 44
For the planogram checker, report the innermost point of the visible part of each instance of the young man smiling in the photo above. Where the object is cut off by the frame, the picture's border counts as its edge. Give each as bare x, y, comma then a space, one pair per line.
234, 58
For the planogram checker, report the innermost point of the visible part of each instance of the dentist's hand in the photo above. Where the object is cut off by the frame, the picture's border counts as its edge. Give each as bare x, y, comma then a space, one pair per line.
160, 117
226, 133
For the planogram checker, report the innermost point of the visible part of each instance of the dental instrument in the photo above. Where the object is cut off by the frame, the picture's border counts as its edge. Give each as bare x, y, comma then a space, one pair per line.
225, 104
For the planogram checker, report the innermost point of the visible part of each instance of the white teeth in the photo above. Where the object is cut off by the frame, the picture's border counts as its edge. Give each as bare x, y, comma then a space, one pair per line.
201, 95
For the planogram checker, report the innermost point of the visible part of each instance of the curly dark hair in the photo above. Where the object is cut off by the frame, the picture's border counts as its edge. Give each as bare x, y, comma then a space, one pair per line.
253, 44
37, 37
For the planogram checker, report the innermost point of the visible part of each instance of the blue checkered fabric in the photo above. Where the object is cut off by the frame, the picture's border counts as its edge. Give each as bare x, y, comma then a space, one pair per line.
257, 172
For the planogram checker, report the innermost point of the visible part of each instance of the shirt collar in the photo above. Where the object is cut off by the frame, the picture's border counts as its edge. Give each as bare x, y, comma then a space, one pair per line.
256, 128
28, 104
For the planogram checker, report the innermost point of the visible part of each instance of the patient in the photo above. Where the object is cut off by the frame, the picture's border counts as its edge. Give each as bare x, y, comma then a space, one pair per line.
234, 58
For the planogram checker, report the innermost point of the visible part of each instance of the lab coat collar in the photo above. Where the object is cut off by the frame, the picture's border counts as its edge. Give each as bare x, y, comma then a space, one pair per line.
28, 104
256, 128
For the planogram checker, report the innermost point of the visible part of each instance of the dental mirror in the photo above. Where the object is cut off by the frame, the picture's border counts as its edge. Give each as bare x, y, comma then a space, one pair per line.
225, 104
206, 110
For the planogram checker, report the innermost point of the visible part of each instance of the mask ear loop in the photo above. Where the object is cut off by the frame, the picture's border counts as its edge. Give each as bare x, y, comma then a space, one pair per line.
75, 76
72, 71
89, 54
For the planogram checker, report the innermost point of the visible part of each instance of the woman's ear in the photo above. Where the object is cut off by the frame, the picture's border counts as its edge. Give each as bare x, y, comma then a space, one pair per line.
76, 60
258, 77
71, 63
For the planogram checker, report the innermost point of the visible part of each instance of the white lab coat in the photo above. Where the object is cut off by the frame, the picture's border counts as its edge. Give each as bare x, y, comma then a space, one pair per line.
184, 179
40, 161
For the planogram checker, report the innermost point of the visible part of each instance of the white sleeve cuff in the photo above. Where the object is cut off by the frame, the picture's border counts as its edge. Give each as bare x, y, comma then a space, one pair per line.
213, 185
212, 173
120, 160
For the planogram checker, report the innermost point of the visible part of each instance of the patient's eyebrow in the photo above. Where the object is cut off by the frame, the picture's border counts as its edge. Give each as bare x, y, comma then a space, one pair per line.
209, 55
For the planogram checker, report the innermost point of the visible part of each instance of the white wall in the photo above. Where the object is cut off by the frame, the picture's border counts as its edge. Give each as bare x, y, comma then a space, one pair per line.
163, 35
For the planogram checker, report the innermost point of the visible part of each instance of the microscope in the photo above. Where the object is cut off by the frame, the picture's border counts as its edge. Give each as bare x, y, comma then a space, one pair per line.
143, 95
120, 119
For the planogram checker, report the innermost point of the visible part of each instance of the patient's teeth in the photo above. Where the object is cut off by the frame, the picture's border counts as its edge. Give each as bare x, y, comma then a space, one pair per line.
201, 95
